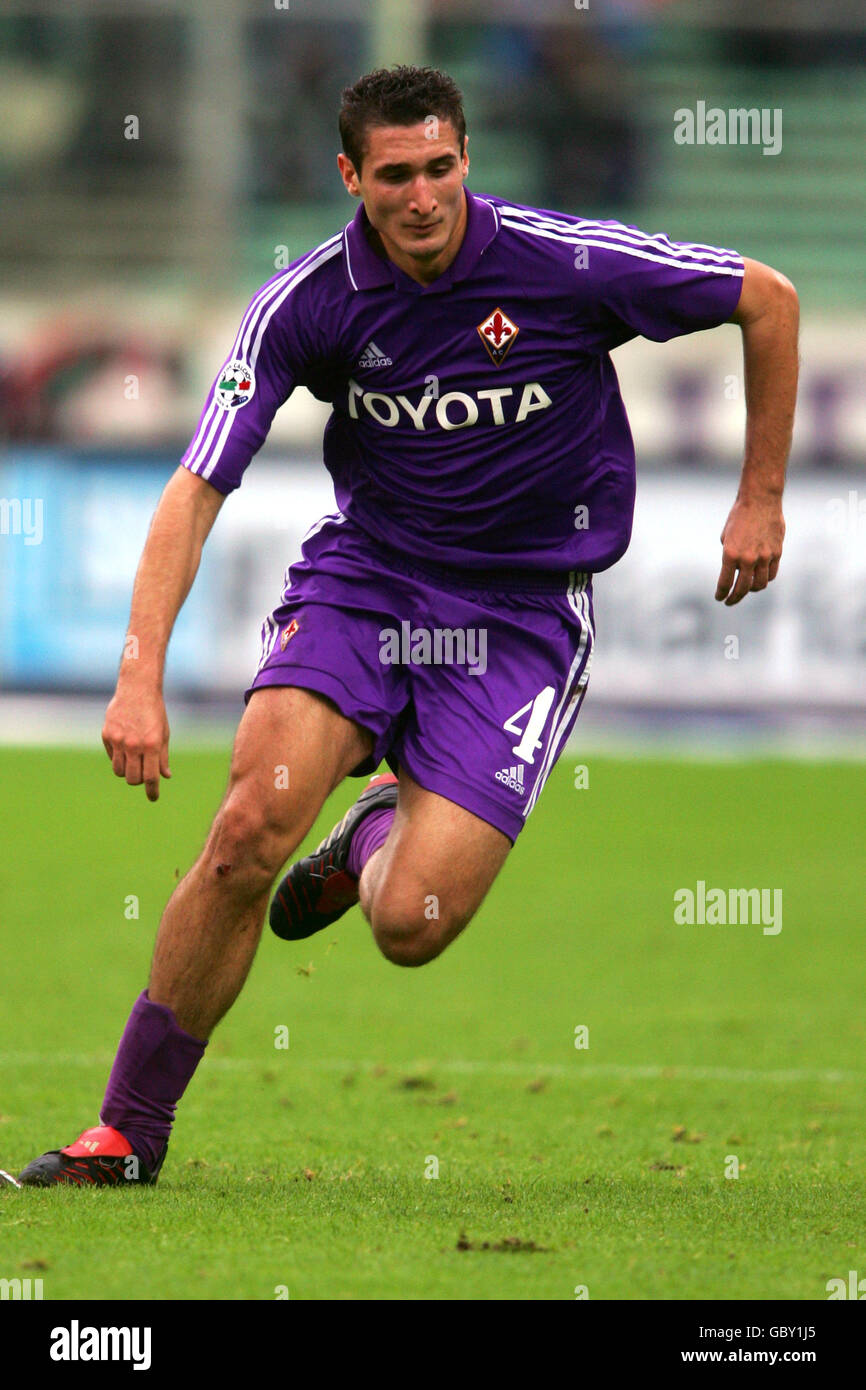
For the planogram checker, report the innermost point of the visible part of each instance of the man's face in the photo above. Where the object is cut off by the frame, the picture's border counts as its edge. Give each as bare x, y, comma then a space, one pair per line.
411, 182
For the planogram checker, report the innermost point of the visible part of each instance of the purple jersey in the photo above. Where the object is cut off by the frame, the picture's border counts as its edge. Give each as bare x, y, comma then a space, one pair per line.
477, 422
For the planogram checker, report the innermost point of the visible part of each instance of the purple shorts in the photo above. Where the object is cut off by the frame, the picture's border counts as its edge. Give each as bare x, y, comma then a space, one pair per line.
471, 682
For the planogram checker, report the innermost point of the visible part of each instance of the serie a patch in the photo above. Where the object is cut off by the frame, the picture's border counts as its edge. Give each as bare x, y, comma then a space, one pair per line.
235, 385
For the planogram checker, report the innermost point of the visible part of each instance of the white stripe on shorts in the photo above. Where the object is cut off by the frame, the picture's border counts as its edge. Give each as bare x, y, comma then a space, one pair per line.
579, 601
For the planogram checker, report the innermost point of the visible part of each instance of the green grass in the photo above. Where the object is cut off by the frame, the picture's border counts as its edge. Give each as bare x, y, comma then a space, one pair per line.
558, 1167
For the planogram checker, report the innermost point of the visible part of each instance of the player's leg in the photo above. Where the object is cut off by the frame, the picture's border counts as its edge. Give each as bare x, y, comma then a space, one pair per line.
292, 748
419, 863
474, 754
429, 878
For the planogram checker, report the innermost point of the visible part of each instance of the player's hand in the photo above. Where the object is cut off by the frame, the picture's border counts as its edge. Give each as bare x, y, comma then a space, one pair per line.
751, 548
135, 735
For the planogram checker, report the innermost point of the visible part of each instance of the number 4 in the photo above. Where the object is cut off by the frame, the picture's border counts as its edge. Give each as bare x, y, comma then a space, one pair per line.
540, 709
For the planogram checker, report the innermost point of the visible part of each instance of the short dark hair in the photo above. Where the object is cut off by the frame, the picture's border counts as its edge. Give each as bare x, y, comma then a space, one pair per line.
397, 96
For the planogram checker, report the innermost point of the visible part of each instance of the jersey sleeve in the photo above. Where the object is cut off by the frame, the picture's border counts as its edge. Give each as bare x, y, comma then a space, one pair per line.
268, 358
641, 285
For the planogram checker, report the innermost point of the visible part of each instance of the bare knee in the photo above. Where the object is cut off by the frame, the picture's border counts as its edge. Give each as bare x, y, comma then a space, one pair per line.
246, 847
410, 948
412, 932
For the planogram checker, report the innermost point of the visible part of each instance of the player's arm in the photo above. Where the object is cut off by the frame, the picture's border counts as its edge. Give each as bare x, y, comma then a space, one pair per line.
135, 733
768, 315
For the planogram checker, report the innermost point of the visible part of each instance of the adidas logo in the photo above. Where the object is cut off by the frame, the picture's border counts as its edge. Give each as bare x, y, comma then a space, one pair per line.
373, 356
512, 777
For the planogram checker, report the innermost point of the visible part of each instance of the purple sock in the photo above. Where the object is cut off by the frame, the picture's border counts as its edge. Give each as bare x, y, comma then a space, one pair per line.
370, 836
153, 1067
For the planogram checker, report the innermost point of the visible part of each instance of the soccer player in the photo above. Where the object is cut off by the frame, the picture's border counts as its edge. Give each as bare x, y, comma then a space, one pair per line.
441, 618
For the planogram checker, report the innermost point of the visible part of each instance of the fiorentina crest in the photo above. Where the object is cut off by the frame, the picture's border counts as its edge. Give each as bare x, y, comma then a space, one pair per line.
497, 333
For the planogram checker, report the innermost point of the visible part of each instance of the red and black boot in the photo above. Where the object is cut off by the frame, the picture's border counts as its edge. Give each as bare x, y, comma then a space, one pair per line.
319, 889
100, 1157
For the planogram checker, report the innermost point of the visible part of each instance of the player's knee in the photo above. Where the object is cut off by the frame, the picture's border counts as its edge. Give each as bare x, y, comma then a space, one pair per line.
406, 947
410, 932
247, 845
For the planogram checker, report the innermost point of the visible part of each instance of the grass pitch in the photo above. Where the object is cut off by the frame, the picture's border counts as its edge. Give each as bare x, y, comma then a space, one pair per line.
308, 1170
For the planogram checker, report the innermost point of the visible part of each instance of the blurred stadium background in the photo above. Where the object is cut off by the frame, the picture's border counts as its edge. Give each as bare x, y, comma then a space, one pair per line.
157, 162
